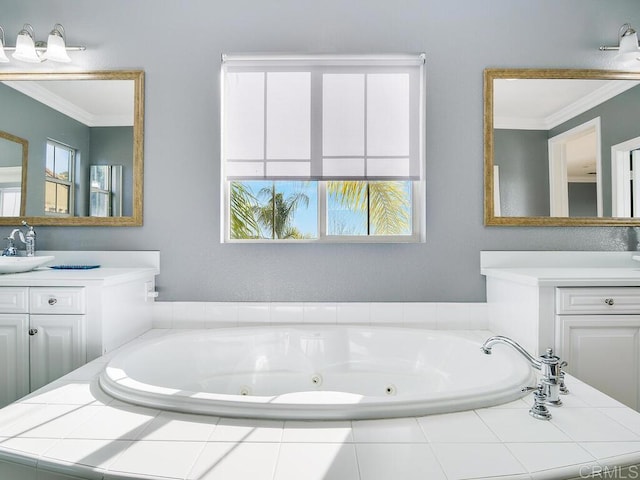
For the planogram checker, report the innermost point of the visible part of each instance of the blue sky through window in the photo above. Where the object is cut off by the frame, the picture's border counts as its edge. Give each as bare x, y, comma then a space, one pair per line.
341, 219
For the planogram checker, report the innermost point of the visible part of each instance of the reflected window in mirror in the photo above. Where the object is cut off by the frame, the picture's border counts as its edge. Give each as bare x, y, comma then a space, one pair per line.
10, 202
59, 179
105, 199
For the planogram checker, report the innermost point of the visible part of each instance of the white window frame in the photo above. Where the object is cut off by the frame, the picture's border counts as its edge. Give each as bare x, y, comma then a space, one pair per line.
70, 183
14, 192
418, 186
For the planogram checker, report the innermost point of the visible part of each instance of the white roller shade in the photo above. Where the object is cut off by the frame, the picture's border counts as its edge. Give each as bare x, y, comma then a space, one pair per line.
323, 117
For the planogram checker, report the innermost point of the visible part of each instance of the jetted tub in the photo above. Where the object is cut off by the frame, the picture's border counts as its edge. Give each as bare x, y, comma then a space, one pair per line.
315, 372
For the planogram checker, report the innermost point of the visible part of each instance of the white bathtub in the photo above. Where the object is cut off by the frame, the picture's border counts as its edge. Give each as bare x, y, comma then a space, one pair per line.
315, 372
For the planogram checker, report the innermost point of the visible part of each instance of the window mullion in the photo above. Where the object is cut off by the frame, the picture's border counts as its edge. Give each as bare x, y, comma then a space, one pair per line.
316, 148
364, 127
322, 210
316, 123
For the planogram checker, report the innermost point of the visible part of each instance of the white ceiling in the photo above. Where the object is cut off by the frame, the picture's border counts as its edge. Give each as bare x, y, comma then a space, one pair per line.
541, 104
96, 103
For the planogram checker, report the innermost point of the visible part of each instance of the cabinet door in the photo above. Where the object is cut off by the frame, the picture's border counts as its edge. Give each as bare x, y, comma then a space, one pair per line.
14, 357
603, 351
57, 347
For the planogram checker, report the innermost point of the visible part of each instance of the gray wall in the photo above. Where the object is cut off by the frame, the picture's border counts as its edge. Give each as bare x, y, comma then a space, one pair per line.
583, 199
523, 158
10, 153
182, 140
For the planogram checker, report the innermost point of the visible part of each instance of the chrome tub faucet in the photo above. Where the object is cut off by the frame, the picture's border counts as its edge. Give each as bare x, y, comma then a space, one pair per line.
552, 378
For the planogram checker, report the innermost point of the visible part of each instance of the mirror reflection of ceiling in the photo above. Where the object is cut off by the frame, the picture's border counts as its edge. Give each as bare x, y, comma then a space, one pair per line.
95, 103
541, 104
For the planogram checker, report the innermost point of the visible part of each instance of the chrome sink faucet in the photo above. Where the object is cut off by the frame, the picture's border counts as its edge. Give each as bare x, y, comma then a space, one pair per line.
552, 377
29, 240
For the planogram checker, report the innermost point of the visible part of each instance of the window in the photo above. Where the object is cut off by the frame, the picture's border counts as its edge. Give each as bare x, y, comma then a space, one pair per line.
60, 160
105, 190
323, 148
100, 191
10, 201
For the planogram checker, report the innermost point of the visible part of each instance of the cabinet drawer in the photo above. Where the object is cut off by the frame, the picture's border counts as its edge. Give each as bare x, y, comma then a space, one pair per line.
61, 300
14, 300
622, 300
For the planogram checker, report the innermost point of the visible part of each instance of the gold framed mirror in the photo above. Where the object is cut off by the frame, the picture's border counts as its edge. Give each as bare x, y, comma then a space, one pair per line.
560, 147
72, 123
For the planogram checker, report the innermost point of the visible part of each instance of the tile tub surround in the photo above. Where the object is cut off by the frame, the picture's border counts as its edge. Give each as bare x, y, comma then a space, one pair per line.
71, 430
431, 315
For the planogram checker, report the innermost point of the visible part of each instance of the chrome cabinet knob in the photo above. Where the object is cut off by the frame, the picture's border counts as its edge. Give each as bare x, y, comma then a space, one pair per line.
53, 301
33, 331
609, 301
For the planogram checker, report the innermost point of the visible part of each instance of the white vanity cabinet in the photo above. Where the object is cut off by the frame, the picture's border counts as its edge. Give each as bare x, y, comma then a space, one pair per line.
57, 341
586, 305
53, 321
40, 344
598, 334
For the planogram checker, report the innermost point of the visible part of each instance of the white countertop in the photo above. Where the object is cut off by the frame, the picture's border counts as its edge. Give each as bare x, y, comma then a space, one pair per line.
115, 267
44, 277
557, 268
72, 427
568, 276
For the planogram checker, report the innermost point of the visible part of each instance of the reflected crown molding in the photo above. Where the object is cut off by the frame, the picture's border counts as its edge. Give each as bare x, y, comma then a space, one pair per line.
81, 107
593, 99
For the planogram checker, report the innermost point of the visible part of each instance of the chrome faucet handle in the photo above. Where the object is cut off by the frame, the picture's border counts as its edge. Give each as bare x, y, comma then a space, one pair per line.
10, 250
539, 410
563, 388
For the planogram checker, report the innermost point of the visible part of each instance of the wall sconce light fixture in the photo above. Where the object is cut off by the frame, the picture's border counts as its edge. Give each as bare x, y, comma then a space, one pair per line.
627, 44
27, 49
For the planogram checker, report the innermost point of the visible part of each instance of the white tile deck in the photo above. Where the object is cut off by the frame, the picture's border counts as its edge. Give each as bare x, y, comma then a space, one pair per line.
72, 427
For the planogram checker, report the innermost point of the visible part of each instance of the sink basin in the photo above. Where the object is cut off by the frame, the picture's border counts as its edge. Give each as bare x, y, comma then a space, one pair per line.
22, 264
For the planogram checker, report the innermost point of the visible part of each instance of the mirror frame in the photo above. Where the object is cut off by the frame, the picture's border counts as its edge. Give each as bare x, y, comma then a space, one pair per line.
25, 158
138, 152
491, 74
